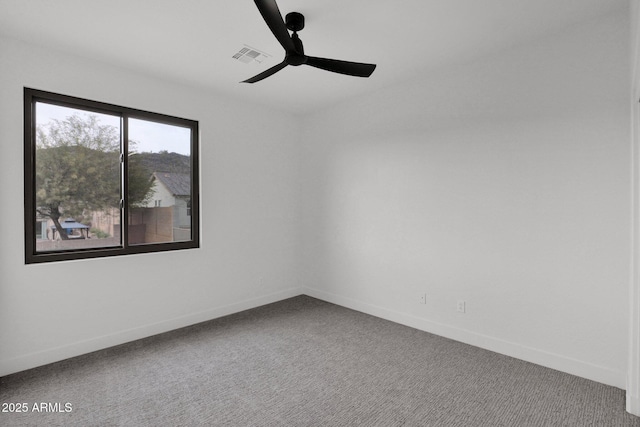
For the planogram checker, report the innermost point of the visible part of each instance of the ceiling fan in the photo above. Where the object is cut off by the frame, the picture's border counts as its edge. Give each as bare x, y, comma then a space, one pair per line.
294, 51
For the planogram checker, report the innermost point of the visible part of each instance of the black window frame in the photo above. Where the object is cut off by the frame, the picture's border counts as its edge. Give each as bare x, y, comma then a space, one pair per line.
31, 97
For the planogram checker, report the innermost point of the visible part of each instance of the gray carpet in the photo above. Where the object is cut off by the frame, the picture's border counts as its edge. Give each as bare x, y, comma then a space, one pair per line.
304, 362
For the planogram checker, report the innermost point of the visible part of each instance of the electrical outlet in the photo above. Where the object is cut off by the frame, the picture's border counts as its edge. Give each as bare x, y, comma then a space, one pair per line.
462, 306
423, 298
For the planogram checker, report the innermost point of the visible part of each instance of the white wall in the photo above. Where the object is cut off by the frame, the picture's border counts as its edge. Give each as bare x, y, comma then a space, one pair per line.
248, 220
633, 364
505, 183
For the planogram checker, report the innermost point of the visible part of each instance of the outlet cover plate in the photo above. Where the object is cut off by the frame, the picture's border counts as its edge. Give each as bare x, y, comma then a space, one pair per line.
462, 306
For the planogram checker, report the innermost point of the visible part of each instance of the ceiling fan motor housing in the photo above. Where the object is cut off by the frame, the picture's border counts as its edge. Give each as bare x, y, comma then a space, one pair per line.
294, 21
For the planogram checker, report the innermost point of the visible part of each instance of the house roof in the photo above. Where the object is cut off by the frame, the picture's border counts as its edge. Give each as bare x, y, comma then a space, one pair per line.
178, 184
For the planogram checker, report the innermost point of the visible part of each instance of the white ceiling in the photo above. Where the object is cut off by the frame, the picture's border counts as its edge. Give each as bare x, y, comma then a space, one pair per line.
193, 41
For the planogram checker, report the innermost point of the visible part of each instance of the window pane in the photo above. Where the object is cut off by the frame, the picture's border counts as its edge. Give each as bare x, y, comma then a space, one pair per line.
77, 179
159, 184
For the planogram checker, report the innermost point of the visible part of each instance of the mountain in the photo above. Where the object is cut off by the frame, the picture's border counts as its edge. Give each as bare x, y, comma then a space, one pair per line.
165, 162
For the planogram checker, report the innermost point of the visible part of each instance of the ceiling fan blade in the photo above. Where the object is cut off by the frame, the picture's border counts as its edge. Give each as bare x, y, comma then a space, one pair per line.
273, 18
263, 75
357, 69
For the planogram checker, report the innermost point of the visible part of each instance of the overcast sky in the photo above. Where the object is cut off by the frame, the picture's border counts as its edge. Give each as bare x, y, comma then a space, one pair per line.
150, 136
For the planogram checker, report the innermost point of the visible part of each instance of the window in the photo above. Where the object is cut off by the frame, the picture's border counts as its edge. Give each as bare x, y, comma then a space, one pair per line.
104, 180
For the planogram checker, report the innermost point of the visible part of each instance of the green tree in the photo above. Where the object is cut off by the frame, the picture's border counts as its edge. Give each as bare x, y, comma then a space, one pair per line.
140, 182
78, 169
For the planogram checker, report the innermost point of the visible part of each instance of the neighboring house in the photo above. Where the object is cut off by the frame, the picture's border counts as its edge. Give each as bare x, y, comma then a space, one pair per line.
173, 189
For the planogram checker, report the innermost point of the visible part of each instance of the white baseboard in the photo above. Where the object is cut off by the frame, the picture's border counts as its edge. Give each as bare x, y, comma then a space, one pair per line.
540, 357
32, 360
572, 366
